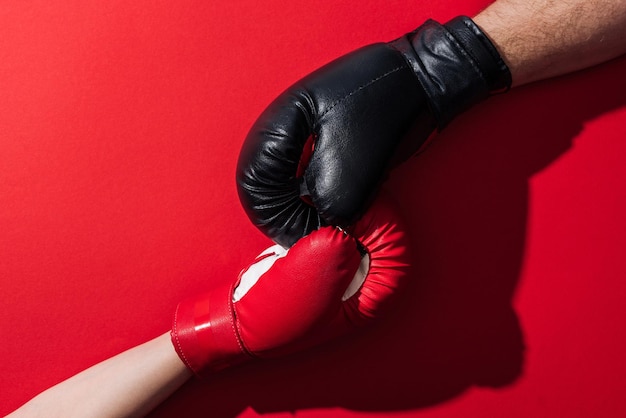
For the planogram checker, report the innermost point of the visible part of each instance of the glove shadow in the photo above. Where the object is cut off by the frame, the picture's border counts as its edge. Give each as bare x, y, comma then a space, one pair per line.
465, 200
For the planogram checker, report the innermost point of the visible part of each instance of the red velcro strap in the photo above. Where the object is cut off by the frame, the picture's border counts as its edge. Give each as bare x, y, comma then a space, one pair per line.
204, 333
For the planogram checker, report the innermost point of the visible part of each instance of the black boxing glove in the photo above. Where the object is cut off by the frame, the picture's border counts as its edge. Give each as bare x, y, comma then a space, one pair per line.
364, 112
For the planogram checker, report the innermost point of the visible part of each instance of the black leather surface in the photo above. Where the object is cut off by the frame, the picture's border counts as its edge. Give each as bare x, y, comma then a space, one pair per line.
359, 109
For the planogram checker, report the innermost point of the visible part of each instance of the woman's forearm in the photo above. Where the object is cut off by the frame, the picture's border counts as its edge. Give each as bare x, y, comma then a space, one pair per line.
128, 385
545, 38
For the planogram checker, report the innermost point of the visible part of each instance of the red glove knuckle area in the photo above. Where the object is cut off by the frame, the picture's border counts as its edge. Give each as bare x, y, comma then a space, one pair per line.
302, 295
382, 233
299, 301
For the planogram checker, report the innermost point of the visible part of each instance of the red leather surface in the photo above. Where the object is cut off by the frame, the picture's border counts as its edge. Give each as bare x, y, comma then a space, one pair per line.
120, 125
381, 232
298, 295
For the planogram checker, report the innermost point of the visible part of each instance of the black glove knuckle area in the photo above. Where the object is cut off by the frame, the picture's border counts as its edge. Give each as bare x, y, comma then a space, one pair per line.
341, 105
366, 111
266, 171
353, 147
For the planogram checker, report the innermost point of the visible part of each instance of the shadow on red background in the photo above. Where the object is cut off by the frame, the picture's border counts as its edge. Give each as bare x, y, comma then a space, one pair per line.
466, 200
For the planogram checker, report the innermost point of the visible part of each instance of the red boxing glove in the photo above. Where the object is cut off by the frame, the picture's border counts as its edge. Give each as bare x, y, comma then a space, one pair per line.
289, 300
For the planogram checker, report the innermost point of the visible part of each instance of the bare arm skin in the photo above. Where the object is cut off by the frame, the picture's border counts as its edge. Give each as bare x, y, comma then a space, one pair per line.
130, 384
540, 39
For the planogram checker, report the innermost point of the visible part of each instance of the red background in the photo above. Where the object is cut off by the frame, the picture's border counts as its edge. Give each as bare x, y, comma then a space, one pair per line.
120, 126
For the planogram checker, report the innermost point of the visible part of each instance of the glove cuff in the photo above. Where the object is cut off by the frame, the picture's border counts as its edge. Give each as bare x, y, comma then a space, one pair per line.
456, 65
204, 333
483, 53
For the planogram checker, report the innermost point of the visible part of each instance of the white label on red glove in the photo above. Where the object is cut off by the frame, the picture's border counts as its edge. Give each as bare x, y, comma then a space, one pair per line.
266, 260
253, 273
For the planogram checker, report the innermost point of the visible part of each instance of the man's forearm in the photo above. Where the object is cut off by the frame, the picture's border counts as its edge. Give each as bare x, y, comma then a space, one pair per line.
545, 38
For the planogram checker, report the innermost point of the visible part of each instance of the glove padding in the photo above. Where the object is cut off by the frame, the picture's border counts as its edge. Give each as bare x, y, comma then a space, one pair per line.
358, 110
289, 300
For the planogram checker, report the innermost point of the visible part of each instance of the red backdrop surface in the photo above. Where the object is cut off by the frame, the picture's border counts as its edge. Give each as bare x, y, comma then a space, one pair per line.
120, 126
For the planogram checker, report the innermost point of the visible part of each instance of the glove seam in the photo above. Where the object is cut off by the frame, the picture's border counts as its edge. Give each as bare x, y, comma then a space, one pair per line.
234, 323
419, 70
179, 348
361, 87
